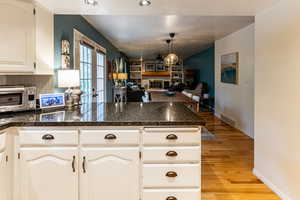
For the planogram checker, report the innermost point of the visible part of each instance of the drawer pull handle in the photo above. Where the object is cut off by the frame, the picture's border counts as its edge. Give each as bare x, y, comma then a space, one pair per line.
110, 137
171, 198
172, 154
73, 164
172, 137
48, 137
83, 165
171, 174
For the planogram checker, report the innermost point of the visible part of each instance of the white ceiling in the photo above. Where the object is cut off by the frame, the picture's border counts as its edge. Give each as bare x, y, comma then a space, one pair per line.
145, 36
160, 7
141, 31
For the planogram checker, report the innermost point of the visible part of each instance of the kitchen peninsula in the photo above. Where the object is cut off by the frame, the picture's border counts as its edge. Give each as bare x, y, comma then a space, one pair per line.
106, 151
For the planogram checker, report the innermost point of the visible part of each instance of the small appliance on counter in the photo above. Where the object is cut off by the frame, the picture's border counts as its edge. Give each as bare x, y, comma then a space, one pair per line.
17, 98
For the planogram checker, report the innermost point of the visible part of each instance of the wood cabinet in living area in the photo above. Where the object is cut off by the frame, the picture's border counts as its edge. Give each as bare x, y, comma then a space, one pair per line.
26, 38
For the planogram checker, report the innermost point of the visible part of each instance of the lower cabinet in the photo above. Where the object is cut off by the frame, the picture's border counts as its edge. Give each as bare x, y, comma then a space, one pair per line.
5, 168
4, 177
78, 164
109, 173
49, 173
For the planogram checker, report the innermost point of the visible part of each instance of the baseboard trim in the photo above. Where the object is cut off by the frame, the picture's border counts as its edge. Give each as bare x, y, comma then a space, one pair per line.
273, 187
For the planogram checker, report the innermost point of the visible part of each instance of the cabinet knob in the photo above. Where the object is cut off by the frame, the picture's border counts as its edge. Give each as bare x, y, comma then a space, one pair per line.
171, 174
48, 137
110, 137
171, 154
171, 198
172, 137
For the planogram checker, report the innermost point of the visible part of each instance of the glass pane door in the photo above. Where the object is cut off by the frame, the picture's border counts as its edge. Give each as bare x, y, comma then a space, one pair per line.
100, 78
86, 66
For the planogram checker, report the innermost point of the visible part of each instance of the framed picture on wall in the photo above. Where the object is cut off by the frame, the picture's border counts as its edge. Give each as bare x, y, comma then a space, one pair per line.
149, 67
230, 68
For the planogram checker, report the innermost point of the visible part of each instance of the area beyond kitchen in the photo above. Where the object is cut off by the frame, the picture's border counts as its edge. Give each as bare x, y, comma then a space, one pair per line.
149, 100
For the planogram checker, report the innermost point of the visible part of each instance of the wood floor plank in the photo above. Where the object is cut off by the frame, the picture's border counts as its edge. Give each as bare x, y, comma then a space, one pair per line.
227, 164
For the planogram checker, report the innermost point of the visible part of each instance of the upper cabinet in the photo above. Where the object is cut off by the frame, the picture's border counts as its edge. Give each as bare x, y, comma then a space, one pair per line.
26, 38
44, 20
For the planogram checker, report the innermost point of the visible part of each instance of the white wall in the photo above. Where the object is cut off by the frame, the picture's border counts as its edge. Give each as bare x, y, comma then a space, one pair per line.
277, 98
237, 101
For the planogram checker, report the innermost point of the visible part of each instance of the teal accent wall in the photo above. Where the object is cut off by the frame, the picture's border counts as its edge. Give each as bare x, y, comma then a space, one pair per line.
204, 65
63, 30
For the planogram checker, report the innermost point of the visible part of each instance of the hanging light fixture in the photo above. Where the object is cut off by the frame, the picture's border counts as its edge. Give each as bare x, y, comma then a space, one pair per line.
171, 58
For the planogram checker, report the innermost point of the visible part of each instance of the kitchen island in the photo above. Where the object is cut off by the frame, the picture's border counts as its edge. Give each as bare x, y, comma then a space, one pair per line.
102, 151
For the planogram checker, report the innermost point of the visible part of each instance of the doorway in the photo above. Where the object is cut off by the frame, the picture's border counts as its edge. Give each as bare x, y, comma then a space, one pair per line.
91, 58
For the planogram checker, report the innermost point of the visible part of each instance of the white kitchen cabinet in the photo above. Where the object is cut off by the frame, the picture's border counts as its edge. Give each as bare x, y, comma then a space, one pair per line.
106, 163
26, 38
44, 41
109, 173
4, 175
5, 167
4, 178
49, 173
17, 37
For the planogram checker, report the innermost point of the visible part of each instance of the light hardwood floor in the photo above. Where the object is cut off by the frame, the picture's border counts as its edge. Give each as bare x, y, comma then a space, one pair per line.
227, 164
227, 161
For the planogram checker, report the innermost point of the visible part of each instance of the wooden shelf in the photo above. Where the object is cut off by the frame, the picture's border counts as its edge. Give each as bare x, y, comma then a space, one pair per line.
156, 73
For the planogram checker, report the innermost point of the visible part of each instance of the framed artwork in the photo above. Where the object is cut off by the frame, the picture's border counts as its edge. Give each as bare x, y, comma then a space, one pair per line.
160, 67
65, 54
149, 67
230, 68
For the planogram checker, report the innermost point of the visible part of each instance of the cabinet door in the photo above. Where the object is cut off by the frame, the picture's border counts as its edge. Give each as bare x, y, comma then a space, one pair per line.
17, 49
5, 167
109, 173
4, 177
44, 40
49, 173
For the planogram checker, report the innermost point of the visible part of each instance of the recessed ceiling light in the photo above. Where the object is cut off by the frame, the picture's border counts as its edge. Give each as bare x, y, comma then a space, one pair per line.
91, 2
145, 2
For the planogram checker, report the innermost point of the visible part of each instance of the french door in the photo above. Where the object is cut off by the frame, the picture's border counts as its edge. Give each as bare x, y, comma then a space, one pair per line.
92, 73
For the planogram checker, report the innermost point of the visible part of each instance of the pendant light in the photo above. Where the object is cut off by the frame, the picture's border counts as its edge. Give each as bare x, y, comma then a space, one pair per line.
171, 58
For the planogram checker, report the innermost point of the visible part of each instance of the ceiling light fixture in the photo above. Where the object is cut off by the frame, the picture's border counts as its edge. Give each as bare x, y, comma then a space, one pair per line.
91, 2
145, 3
171, 58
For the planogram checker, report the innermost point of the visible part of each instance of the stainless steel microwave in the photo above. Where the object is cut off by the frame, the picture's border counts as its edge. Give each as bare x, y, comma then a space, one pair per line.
17, 98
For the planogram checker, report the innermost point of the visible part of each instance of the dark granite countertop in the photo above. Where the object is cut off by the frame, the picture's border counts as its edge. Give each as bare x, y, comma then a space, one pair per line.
107, 114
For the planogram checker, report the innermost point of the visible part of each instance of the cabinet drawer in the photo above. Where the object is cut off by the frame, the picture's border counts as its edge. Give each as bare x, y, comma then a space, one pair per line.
48, 137
2, 141
109, 137
171, 154
169, 136
179, 194
171, 175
